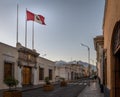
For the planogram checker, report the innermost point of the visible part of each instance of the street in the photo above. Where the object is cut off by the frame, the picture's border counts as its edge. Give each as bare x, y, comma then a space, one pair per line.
72, 90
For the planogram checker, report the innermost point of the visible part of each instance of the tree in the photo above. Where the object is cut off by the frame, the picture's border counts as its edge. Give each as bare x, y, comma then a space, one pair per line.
10, 82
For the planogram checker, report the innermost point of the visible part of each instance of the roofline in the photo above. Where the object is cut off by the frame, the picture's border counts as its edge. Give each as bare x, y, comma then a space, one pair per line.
98, 39
8, 45
47, 59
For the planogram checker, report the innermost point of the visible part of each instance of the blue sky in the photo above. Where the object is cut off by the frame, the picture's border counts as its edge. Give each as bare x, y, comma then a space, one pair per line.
69, 23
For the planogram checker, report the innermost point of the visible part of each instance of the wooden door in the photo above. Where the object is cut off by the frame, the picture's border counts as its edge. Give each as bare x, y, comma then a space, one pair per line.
26, 75
117, 76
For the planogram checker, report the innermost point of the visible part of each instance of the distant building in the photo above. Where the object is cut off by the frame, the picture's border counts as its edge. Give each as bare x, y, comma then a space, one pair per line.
86, 71
62, 71
69, 70
98, 43
25, 65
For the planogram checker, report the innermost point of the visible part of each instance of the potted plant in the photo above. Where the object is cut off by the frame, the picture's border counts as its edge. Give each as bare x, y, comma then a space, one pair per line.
48, 86
11, 92
63, 82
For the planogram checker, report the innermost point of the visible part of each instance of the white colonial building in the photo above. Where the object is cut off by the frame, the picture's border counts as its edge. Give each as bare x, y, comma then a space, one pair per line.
69, 70
25, 65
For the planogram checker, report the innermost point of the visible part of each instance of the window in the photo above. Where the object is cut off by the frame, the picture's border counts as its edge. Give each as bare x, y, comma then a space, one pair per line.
8, 70
41, 73
50, 74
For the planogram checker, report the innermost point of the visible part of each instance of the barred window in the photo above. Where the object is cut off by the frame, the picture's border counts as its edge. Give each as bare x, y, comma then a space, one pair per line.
50, 74
41, 73
8, 70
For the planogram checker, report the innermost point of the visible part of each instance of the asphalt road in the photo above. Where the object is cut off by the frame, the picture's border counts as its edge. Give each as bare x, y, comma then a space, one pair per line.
72, 90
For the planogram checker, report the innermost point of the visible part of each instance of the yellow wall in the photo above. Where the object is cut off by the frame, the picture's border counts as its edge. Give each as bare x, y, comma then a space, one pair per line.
111, 16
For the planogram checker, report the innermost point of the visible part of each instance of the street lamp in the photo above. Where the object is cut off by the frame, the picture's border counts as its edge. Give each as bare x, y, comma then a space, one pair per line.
88, 57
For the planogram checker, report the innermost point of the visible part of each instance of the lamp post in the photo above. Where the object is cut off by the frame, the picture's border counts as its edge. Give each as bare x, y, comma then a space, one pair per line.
88, 58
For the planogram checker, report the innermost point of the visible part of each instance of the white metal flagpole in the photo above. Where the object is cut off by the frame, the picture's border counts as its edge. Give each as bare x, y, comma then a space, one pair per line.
17, 25
26, 29
33, 35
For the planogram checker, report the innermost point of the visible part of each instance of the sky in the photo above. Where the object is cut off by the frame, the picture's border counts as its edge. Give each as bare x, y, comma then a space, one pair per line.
68, 24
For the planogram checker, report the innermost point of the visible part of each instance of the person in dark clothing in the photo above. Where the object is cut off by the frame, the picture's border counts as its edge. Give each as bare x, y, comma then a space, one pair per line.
95, 77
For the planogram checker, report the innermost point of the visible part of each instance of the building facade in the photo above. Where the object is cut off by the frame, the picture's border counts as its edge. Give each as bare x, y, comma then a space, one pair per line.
25, 65
98, 44
62, 72
46, 69
69, 71
111, 33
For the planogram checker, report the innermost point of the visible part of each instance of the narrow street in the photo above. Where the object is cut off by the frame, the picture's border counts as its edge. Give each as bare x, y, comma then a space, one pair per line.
75, 89
72, 90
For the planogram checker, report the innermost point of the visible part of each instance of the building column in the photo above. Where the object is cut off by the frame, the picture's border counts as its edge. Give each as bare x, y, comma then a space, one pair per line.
34, 76
20, 76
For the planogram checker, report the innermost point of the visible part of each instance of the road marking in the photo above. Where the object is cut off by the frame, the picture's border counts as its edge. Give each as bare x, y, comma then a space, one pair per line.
80, 83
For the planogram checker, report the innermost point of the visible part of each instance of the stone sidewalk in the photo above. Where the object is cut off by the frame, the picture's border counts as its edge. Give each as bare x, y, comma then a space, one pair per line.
91, 91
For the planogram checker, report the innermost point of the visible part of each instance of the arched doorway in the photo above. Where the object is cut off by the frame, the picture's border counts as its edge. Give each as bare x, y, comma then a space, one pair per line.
115, 60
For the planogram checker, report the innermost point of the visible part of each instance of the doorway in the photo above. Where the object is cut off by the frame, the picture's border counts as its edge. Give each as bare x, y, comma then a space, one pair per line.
117, 75
115, 59
27, 73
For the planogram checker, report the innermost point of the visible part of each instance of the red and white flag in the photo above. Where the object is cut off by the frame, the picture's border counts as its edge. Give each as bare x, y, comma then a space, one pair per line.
34, 17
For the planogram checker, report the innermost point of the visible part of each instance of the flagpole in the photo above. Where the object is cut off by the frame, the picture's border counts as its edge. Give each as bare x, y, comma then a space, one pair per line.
26, 29
17, 26
33, 35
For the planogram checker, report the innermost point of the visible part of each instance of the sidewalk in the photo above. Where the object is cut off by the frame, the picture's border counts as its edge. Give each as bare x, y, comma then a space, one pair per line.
91, 91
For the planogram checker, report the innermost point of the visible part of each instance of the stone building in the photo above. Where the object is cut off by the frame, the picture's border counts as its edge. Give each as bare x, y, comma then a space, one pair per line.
62, 71
69, 70
46, 69
25, 65
111, 33
98, 44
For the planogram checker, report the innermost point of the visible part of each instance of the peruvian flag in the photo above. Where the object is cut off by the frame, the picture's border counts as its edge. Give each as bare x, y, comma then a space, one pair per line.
34, 17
